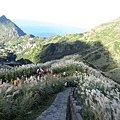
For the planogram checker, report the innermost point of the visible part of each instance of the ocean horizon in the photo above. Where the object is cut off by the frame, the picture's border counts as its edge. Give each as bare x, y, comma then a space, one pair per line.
46, 30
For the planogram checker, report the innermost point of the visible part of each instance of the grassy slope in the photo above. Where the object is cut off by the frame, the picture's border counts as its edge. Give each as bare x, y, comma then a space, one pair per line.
102, 51
108, 57
99, 46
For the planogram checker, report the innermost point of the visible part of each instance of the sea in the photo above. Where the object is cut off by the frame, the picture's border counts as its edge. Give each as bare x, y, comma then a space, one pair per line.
46, 30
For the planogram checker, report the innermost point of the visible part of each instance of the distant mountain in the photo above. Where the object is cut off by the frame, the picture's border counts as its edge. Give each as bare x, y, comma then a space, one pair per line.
10, 33
8, 29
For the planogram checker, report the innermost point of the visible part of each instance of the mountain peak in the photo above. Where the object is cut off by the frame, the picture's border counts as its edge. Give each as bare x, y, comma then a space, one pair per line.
3, 18
8, 28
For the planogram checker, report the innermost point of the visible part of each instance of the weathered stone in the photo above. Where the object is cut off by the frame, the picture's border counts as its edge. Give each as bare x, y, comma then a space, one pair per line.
57, 111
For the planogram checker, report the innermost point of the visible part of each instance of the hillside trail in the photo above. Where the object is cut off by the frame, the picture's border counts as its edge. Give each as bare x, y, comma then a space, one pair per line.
99, 49
57, 110
112, 70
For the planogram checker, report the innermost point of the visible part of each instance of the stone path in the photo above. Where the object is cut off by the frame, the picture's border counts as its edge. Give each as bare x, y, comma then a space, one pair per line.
57, 111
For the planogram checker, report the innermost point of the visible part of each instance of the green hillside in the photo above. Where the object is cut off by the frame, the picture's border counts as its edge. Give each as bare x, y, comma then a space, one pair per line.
106, 56
99, 47
8, 31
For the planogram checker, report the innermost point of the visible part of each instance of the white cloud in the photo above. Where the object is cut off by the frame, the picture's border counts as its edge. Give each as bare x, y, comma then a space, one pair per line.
79, 13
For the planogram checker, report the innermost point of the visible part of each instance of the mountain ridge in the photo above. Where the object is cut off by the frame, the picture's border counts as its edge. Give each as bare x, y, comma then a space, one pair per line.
100, 47
9, 29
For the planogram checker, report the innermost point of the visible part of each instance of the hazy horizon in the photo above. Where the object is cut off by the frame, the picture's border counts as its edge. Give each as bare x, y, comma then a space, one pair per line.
44, 29
84, 14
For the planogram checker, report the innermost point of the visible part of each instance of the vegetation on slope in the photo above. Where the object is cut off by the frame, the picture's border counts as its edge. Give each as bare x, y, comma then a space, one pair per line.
8, 29
98, 95
99, 47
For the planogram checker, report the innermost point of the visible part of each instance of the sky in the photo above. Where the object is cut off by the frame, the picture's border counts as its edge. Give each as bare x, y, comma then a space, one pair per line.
77, 13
